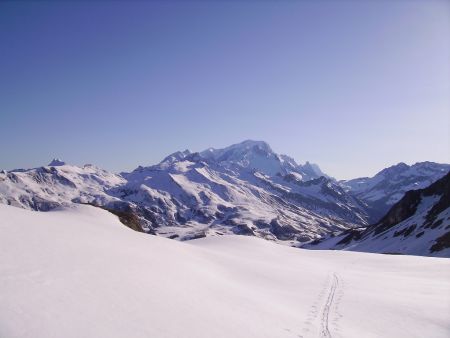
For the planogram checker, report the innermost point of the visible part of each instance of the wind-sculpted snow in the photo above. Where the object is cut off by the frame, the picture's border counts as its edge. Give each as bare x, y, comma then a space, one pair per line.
78, 272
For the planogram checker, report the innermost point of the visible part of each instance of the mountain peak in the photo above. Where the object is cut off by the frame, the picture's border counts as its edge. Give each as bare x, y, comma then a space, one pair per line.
241, 148
247, 154
313, 170
394, 170
56, 162
176, 156
252, 143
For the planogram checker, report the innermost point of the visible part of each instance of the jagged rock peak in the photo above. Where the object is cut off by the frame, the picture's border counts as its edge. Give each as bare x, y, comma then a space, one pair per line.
56, 162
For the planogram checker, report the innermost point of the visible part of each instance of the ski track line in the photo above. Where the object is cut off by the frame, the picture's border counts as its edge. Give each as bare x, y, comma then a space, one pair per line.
325, 331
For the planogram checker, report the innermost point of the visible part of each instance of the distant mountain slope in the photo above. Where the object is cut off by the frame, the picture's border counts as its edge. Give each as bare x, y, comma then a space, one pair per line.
57, 184
242, 189
259, 156
418, 224
245, 189
389, 185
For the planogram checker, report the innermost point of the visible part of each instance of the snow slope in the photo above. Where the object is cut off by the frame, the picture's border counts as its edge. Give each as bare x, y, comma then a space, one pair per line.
259, 156
245, 188
388, 186
79, 273
193, 197
418, 224
57, 184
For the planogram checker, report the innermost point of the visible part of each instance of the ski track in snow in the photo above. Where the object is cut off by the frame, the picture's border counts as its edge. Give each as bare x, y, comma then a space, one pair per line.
324, 319
79, 272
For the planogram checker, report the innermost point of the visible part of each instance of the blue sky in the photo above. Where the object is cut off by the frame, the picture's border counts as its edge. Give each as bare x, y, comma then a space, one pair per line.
353, 86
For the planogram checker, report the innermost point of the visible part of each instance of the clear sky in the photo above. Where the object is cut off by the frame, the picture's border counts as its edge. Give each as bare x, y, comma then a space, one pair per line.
352, 86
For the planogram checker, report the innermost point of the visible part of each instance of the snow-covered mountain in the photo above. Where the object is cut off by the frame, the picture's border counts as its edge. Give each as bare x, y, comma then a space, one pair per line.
388, 186
258, 156
57, 184
418, 224
243, 189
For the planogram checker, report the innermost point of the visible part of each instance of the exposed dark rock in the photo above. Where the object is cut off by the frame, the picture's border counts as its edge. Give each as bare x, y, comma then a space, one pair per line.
351, 235
127, 216
436, 224
441, 243
282, 232
261, 224
243, 229
407, 206
197, 235
406, 231
400, 212
420, 234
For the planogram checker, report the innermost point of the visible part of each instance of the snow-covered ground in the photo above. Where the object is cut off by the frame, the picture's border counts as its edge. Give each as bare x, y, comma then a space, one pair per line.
80, 273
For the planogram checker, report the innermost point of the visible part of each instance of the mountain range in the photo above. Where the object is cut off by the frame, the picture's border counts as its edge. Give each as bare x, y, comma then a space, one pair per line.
418, 224
387, 187
245, 189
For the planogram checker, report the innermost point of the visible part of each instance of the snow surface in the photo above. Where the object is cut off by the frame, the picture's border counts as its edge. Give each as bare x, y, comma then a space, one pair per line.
78, 272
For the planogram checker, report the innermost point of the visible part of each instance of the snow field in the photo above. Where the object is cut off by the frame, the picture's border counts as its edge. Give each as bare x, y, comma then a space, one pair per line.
78, 272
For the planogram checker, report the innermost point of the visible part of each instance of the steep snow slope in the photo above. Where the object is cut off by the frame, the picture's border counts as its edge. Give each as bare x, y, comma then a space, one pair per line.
80, 273
389, 185
419, 224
